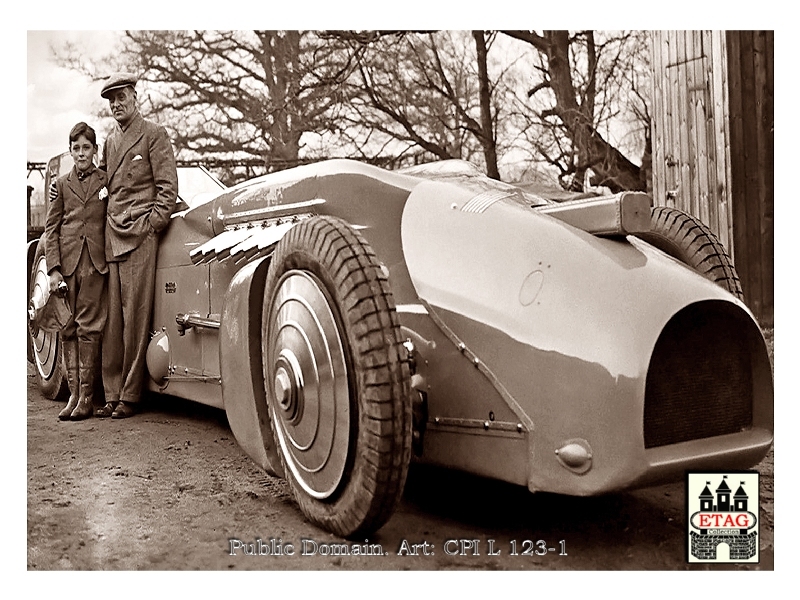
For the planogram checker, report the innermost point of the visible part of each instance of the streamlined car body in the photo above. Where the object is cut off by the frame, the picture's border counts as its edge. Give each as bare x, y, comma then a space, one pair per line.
351, 320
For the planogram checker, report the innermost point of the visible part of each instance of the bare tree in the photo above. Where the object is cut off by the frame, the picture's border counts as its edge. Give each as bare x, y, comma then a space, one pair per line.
230, 94
586, 80
423, 95
396, 97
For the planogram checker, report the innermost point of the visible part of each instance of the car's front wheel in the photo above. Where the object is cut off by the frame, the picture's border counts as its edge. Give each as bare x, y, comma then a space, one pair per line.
338, 387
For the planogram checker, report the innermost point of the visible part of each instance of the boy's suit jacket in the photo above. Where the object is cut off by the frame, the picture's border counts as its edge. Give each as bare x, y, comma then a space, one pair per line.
76, 217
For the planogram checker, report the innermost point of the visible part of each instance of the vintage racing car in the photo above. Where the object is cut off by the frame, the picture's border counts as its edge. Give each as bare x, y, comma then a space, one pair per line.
350, 320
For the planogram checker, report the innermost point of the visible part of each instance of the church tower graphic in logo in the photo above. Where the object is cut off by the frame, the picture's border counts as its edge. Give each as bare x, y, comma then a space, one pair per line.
723, 517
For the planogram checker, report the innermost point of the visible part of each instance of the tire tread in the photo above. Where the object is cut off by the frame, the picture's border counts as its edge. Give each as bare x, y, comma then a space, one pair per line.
687, 239
375, 482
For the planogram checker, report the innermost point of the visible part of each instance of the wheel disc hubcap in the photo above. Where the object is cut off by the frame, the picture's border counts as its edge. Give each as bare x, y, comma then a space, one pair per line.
307, 375
45, 343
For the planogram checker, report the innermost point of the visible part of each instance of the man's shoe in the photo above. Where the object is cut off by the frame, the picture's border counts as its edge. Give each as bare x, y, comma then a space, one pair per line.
123, 411
105, 411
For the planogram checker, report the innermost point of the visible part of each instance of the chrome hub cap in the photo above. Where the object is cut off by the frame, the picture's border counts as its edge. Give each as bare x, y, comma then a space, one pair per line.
288, 385
283, 389
307, 373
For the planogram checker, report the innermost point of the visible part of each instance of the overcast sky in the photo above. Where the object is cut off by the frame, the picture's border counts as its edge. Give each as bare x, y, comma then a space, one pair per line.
57, 97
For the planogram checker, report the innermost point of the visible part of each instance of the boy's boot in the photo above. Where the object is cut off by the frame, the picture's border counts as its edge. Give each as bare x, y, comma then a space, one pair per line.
70, 351
87, 357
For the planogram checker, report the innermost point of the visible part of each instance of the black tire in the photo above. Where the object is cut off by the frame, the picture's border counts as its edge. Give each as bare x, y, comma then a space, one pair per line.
688, 240
45, 346
338, 387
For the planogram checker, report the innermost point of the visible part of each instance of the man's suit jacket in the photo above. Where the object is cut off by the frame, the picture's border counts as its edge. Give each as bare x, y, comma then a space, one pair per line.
142, 184
75, 218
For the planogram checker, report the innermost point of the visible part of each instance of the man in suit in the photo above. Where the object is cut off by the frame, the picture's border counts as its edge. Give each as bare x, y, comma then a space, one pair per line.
75, 254
143, 188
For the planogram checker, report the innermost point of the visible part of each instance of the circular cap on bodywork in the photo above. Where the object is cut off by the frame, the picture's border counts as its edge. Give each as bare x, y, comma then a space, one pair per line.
575, 455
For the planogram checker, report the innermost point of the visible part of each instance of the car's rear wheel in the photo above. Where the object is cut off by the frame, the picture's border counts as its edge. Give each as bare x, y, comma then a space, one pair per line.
338, 387
688, 240
45, 345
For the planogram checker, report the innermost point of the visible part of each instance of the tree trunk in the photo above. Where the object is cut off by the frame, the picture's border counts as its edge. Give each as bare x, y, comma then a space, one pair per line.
488, 141
280, 55
612, 168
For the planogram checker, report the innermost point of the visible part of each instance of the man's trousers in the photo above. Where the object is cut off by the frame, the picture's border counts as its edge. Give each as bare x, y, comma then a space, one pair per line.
131, 283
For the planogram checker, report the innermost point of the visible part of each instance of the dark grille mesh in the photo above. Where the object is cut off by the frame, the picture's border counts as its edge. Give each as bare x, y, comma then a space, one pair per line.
699, 383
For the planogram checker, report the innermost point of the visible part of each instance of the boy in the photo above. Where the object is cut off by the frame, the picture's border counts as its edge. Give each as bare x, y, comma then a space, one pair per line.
75, 253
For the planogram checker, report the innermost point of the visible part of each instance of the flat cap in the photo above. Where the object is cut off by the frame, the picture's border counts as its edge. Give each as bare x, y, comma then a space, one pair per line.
118, 80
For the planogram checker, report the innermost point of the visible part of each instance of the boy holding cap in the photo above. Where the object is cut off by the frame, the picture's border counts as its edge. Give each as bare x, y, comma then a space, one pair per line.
75, 253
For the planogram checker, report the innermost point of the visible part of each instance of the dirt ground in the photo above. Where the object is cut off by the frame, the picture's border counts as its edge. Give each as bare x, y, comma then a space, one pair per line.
170, 490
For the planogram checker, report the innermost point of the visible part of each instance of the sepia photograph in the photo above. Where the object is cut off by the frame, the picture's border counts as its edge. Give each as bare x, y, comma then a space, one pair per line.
402, 300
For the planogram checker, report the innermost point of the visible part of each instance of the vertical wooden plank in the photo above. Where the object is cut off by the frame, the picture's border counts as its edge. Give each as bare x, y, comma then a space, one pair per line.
709, 142
737, 158
712, 186
769, 267
676, 125
679, 118
685, 197
690, 131
658, 119
699, 94
762, 124
752, 178
673, 157
685, 124
756, 177
699, 90
673, 120
719, 63
664, 119
742, 106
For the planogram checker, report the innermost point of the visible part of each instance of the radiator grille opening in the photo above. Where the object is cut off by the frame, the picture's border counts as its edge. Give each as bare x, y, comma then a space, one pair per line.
700, 380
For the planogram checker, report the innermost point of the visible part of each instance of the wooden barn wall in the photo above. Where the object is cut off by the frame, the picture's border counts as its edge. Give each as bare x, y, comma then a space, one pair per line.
751, 88
712, 144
